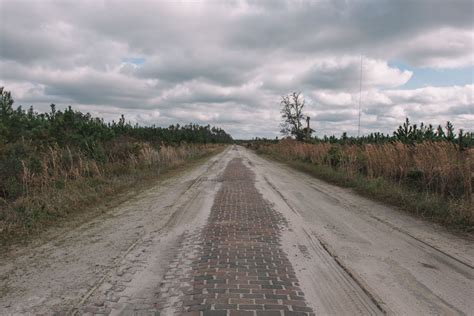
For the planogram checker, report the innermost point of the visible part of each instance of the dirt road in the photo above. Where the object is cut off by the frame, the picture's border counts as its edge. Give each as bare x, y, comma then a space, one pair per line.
243, 233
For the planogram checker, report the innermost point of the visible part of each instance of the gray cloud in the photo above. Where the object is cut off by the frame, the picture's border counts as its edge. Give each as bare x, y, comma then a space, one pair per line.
228, 63
336, 116
231, 68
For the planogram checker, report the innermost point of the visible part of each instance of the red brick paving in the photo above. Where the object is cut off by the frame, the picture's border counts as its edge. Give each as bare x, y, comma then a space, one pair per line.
241, 268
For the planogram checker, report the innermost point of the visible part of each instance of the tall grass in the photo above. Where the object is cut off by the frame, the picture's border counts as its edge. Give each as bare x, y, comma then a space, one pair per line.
40, 187
425, 171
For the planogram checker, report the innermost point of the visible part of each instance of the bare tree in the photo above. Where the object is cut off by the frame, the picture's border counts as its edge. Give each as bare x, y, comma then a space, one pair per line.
292, 114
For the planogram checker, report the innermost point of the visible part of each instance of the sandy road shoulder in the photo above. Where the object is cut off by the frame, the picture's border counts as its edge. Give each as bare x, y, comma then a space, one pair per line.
60, 273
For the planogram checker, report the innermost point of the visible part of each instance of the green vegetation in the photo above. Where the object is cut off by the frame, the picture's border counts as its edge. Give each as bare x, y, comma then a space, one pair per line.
54, 164
406, 133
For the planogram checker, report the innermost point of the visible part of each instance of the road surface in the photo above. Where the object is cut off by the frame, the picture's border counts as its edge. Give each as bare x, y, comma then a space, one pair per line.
240, 232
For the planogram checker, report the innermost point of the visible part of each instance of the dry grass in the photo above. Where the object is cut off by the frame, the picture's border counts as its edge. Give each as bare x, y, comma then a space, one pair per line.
64, 182
434, 171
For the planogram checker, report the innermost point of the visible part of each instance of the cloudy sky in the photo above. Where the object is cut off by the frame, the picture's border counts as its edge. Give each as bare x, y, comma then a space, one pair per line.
227, 63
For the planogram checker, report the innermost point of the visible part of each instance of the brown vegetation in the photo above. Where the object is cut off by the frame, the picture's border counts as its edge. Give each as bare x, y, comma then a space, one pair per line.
428, 170
62, 181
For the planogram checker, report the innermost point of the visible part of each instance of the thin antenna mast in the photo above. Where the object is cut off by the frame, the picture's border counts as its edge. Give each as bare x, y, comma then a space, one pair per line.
360, 93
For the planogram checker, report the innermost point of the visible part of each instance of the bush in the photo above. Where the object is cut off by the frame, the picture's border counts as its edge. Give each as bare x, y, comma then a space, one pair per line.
414, 179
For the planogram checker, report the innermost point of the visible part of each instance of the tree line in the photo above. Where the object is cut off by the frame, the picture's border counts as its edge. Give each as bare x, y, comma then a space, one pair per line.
292, 126
82, 130
38, 149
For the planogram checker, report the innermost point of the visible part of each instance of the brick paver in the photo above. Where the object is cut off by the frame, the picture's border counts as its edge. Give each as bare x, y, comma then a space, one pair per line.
240, 268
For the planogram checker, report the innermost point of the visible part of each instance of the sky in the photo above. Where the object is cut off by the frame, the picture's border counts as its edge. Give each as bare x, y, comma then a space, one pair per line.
227, 63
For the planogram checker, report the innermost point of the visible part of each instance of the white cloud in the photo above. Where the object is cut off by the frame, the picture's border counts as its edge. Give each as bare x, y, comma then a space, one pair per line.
344, 73
228, 63
440, 48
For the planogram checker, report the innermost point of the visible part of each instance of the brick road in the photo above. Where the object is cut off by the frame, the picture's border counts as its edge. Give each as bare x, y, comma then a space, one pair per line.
240, 268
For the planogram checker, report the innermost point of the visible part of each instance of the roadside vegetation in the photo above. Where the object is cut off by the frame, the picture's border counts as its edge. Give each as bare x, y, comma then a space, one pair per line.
421, 169
56, 164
